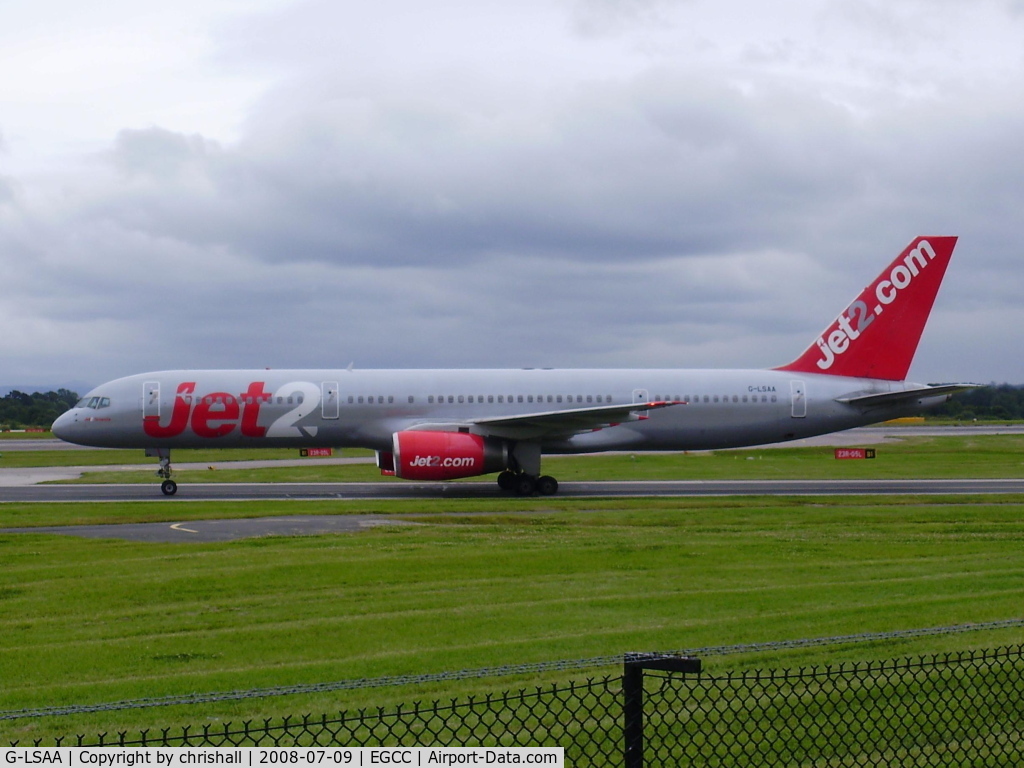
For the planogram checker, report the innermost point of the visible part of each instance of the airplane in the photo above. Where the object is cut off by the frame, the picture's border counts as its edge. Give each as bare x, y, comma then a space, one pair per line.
439, 425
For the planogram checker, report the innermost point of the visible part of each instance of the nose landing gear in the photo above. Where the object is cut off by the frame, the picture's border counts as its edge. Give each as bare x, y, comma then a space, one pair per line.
168, 487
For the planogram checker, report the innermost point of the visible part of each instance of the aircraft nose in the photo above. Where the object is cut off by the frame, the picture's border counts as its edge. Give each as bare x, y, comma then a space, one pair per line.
62, 427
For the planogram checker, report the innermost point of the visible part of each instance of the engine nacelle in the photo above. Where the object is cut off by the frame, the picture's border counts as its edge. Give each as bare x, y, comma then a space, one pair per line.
447, 455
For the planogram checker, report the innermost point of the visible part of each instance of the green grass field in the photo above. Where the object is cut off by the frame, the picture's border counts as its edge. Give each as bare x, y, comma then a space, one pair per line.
495, 582
96, 621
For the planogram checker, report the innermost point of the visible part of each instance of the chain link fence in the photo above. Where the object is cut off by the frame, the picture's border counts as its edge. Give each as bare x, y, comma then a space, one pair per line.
960, 709
950, 710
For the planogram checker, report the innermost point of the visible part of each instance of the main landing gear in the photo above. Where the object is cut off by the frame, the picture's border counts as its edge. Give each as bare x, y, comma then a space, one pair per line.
523, 484
168, 486
523, 475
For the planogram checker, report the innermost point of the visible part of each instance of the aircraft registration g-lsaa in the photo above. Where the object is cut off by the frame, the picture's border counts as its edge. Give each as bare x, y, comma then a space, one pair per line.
446, 424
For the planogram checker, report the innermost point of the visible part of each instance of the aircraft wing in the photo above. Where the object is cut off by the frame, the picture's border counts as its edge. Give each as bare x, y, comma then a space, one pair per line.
546, 425
904, 396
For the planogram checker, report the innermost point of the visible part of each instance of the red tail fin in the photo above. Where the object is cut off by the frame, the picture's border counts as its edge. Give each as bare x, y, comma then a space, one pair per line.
877, 335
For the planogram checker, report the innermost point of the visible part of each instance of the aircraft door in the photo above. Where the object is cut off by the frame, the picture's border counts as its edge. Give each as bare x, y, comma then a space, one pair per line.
798, 397
151, 399
640, 396
329, 399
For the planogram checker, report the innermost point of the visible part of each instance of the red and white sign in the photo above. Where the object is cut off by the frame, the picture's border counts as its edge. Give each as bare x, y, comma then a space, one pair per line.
316, 452
855, 453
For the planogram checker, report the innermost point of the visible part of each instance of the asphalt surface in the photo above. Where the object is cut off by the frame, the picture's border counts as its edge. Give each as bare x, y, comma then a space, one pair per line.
23, 486
205, 531
489, 490
227, 530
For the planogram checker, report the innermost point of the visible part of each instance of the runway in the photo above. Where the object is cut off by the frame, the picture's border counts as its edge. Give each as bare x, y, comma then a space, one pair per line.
489, 490
208, 531
23, 485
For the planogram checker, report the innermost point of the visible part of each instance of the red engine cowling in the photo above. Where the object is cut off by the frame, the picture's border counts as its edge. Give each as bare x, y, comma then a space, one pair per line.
447, 455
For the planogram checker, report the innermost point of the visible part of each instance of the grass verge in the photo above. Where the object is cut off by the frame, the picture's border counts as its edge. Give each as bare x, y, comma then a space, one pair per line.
103, 620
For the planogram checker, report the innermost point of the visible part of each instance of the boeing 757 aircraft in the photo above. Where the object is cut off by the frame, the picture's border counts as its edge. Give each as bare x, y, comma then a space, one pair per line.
447, 424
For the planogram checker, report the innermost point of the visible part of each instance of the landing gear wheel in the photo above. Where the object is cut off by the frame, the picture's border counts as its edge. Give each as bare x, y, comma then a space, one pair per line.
169, 487
506, 480
525, 485
547, 485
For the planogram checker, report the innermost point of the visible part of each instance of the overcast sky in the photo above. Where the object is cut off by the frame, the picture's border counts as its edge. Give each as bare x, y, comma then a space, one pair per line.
468, 183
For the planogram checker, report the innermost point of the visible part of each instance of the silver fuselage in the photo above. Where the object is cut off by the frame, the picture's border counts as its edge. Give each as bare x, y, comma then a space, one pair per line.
365, 408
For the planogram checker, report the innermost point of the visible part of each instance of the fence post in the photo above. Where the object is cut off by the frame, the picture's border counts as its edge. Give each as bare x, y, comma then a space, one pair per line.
633, 698
633, 713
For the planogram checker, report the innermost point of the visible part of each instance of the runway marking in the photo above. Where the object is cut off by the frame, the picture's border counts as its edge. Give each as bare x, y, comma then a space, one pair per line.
177, 527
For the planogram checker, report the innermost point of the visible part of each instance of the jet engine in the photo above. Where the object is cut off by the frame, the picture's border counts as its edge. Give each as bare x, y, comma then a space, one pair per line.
445, 455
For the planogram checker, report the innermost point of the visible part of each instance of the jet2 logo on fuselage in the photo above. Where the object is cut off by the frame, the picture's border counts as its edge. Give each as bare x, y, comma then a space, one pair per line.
217, 414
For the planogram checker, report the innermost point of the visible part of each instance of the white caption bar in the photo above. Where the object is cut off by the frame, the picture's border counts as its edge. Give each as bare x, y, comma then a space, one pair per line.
281, 757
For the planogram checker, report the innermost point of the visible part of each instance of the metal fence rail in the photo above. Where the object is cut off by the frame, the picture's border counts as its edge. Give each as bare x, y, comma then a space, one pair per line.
593, 663
955, 709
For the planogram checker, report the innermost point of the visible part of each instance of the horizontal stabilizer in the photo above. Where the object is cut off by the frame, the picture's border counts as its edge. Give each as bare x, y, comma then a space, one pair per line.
904, 395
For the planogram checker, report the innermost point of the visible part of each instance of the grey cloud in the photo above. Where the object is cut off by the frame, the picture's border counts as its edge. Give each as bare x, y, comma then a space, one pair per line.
159, 153
6, 190
664, 165
598, 18
678, 216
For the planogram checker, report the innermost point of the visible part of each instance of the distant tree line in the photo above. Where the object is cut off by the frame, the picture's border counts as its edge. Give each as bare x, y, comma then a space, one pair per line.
995, 402
20, 410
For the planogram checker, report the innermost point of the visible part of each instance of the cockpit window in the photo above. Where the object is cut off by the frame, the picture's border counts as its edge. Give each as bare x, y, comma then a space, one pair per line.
93, 402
